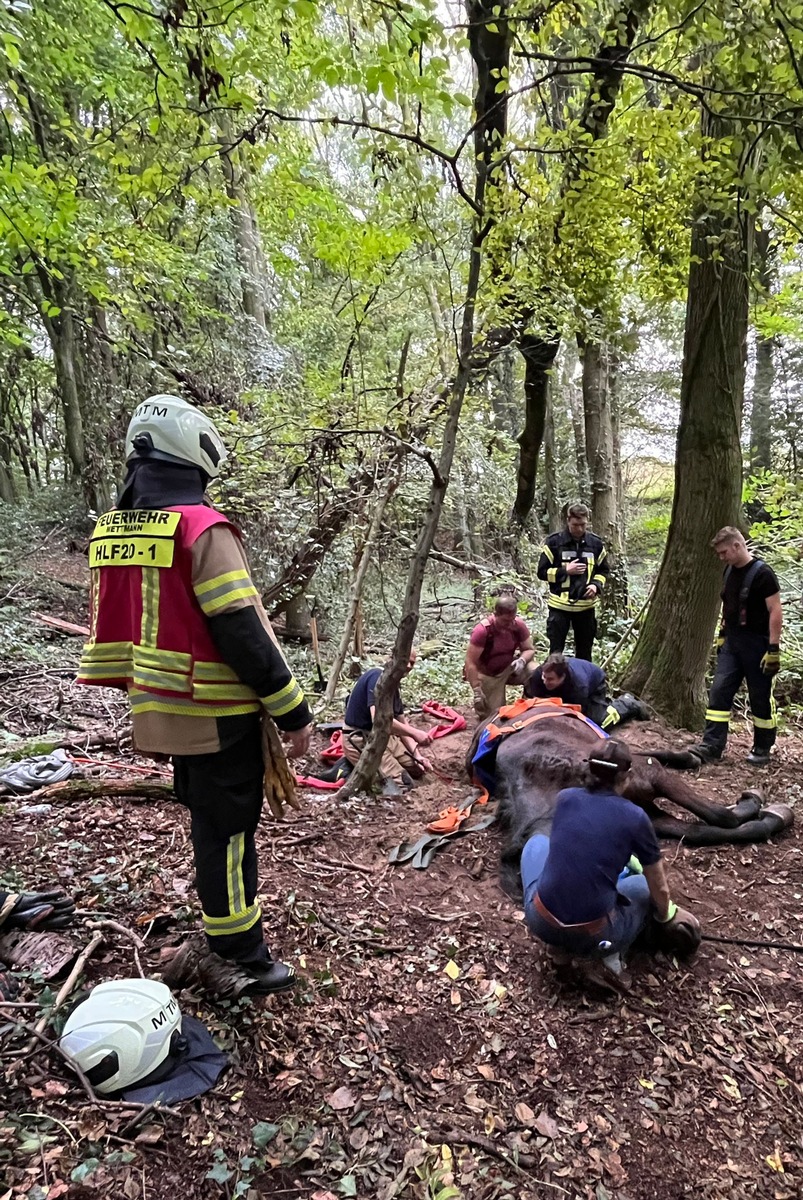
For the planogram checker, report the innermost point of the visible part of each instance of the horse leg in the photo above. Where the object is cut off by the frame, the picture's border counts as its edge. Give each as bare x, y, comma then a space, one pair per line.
719, 815
676, 760
772, 821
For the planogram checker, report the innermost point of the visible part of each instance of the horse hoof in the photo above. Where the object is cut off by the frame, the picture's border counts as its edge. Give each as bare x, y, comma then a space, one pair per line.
749, 805
781, 814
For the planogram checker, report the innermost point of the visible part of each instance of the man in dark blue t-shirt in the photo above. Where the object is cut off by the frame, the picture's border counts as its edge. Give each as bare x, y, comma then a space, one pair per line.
577, 681
589, 887
402, 761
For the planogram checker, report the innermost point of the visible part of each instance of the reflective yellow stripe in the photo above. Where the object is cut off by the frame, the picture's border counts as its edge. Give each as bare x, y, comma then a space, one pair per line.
162, 660
283, 701
602, 554
150, 606
552, 574
221, 926
234, 874
569, 605
213, 671
214, 594
103, 651
717, 714
598, 580
142, 702
117, 669
223, 691
210, 607
546, 550
168, 681
762, 723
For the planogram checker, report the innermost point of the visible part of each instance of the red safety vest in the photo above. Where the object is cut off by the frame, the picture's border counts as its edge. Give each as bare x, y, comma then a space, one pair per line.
148, 633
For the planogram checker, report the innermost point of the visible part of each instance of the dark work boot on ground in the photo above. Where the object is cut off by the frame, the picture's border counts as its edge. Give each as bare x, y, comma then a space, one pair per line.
339, 770
631, 708
758, 757
269, 977
706, 754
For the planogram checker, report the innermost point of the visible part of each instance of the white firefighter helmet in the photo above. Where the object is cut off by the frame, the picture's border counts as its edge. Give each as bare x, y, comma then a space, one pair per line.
122, 1032
168, 429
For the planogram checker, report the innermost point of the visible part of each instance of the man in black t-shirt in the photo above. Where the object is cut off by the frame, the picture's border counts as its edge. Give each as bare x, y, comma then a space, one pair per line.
748, 648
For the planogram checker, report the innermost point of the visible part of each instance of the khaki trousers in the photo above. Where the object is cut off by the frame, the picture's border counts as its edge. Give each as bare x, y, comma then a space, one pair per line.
397, 757
494, 686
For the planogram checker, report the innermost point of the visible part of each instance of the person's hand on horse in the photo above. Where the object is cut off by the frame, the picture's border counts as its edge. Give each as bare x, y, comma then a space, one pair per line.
297, 741
41, 910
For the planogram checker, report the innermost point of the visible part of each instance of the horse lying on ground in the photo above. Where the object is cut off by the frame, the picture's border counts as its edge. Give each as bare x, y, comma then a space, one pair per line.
539, 760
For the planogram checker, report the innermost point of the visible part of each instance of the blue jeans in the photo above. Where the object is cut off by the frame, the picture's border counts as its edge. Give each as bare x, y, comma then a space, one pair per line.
622, 927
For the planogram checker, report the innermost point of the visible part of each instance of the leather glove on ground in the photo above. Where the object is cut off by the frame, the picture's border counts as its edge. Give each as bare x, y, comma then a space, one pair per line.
41, 910
480, 705
771, 662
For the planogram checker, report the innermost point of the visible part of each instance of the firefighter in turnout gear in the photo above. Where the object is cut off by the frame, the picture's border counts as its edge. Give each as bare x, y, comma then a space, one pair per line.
576, 681
574, 564
748, 649
177, 622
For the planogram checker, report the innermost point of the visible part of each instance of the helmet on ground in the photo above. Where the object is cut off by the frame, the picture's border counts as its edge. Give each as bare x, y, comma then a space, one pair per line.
168, 429
122, 1033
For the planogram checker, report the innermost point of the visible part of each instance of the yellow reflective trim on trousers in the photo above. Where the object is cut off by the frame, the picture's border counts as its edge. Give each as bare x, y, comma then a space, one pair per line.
221, 926
717, 714
546, 550
763, 723
150, 607
569, 605
234, 874
283, 701
210, 607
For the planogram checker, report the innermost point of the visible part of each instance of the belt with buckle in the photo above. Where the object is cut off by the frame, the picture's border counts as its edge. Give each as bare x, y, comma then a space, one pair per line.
589, 927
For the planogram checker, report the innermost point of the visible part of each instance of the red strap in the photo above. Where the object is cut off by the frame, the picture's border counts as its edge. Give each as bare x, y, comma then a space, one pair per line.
334, 750
321, 784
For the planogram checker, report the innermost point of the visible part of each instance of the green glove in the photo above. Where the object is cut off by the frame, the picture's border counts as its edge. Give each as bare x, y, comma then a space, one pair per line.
720, 642
634, 866
670, 913
771, 662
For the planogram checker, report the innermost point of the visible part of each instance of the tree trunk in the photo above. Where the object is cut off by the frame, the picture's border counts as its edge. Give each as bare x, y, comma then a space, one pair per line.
367, 554
313, 549
489, 130
761, 414
245, 229
539, 357
604, 468
553, 504
669, 661
574, 397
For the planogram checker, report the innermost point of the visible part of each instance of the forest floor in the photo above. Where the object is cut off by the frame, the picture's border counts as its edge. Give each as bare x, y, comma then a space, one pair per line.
385, 1074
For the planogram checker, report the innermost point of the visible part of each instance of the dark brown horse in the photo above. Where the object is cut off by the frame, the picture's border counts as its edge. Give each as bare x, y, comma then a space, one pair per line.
536, 762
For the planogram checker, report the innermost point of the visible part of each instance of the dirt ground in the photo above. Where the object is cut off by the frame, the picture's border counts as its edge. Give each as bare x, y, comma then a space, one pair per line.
385, 1074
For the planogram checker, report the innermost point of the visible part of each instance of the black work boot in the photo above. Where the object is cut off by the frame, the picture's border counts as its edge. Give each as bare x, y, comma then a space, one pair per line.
338, 770
630, 707
269, 977
706, 753
759, 756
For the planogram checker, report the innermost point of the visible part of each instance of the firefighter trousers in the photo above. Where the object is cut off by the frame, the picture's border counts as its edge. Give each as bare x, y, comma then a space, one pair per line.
740, 660
223, 792
584, 624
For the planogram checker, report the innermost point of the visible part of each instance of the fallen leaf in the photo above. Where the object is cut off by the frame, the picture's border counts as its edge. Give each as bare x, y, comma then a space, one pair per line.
774, 1161
524, 1113
546, 1125
148, 1136
486, 1071
731, 1087
342, 1098
324, 1196
451, 969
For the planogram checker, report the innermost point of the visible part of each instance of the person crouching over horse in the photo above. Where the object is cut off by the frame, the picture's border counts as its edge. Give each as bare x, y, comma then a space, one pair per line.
579, 897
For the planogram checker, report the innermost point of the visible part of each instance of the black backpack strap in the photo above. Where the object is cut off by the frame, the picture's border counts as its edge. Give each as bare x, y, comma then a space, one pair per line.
744, 590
